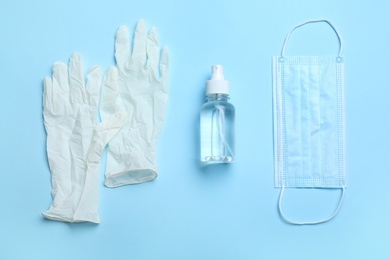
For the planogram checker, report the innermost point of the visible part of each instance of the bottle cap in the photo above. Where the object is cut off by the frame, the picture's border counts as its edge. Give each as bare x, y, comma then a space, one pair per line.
217, 83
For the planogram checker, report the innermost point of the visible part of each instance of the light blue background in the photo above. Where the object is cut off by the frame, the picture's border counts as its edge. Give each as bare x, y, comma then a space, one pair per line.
221, 212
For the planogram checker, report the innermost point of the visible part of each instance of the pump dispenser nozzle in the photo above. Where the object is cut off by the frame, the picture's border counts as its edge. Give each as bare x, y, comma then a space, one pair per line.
217, 84
216, 72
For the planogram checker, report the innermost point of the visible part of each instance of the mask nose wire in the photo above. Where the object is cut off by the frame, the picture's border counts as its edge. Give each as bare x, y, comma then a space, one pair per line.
315, 21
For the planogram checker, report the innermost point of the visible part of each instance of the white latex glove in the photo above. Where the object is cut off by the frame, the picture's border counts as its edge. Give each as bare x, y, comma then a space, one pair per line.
131, 154
75, 141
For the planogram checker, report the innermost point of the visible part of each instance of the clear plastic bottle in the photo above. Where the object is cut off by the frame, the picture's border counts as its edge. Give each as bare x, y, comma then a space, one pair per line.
217, 121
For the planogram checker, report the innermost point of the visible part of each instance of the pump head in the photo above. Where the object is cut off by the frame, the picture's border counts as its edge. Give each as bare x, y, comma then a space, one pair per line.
217, 83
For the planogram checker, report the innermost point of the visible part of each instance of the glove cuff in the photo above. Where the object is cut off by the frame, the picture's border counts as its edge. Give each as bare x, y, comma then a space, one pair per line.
59, 214
133, 176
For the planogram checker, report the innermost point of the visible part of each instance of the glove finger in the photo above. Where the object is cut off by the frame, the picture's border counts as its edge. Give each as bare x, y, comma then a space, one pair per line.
152, 50
139, 43
60, 89
87, 199
60, 75
76, 80
110, 127
164, 65
110, 93
104, 132
93, 85
122, 47
48, 95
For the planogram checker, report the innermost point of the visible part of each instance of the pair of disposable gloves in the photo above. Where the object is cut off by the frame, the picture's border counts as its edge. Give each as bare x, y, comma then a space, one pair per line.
132, 97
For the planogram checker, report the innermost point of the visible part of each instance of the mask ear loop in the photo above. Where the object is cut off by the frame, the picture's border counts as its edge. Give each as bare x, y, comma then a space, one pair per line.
309, 223
315, 21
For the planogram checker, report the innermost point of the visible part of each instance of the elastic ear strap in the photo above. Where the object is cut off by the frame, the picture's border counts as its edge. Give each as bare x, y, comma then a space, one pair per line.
308, 223
315, 21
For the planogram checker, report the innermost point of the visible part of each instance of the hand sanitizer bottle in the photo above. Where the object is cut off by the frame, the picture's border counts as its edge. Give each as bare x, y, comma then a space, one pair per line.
217, 121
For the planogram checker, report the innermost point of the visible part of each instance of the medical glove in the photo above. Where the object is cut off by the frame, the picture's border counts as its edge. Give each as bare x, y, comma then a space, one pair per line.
75, 140
135, 84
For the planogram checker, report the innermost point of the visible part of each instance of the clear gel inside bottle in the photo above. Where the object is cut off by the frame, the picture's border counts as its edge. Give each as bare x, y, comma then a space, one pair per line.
217, 121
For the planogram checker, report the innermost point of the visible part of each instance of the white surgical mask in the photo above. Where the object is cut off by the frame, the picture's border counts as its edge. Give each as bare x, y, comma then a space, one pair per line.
308, 105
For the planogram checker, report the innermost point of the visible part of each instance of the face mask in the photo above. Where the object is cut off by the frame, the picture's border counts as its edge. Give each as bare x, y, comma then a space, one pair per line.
308, 104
